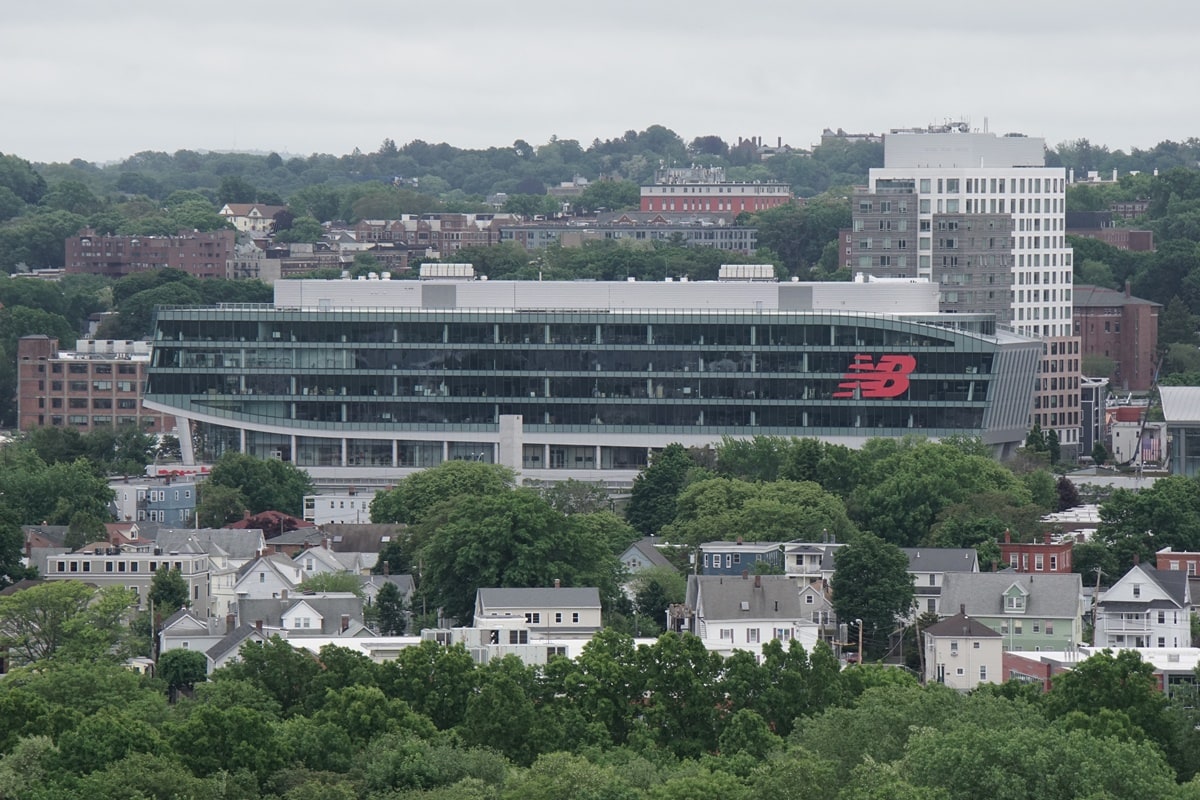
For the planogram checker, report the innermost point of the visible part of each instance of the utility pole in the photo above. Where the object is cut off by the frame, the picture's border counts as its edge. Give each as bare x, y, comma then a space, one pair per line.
859, 623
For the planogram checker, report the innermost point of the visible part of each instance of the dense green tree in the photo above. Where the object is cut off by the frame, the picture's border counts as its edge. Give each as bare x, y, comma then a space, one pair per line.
707, 509
267, 485
1120, 682
577, 497
1176, 323
302, 229
655, 489
276, 668
513, 539
392, 620
414, 496
681, 705
1139, 523
609, 195
182, 669
656, 588
218, 505
68, 619
799, 233
168, 591
908, 486
871, 583
435, 680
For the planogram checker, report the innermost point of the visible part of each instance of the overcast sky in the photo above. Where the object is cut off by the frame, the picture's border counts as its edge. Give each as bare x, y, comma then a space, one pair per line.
103, 80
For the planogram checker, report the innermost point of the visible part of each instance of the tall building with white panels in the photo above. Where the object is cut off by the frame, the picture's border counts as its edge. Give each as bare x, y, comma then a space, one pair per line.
983, 217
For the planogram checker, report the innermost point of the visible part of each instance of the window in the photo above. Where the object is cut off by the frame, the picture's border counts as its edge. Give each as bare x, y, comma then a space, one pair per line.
1049, 628
1162, 618
808, 599
751, 635
574, 616
1015, 602
974, 645
727, 634
783, 634
558, 616
1037, 562
518, 637
533, 617
1017, 628
982, 672
1137, 590
954, 645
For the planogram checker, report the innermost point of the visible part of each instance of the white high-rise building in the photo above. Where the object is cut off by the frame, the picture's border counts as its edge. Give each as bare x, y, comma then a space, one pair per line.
982, 216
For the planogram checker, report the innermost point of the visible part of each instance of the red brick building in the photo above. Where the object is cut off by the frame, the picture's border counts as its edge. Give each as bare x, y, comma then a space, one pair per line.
704, 189
1168, 559
1043, 556
1121, 327
203, 255
99, 385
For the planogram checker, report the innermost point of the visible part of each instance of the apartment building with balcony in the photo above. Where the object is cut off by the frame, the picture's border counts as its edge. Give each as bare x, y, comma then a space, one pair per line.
1146, 607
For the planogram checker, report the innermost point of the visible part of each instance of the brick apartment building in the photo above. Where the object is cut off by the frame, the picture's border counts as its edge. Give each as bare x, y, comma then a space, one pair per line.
705, 189
1044, 556
441, 233
1121, 327
98, 385
1098, 225
203, 255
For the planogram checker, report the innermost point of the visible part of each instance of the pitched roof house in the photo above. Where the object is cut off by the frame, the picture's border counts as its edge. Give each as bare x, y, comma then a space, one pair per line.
744, 612
961, 652
306, 614
1146, 607
558, 611
1030, 611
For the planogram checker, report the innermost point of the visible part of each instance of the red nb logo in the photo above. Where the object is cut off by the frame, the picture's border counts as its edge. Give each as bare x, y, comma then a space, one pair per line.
888, 378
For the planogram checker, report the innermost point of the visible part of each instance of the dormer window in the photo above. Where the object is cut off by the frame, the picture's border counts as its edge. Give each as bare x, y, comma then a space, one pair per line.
1014, 602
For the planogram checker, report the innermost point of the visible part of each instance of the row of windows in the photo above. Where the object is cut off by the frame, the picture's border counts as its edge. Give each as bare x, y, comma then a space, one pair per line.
77, 565
535, 617
258, 349
754, 635
957, 410
82, 368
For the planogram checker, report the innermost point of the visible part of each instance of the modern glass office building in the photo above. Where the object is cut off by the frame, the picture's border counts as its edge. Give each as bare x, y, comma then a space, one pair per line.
361, 381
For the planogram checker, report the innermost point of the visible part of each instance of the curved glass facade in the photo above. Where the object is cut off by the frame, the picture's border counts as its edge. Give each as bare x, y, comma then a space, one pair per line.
409, 387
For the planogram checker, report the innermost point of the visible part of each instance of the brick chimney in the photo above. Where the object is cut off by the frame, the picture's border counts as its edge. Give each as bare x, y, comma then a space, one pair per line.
758, 581
345, 623
258, 625
557, 583
230, 620
1136, 559
1046, 537
283, 595
1007, 536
